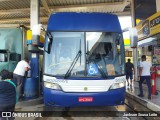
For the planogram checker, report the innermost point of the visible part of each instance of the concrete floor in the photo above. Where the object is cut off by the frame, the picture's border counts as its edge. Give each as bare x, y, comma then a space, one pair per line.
86, 113
93, 113
155, 99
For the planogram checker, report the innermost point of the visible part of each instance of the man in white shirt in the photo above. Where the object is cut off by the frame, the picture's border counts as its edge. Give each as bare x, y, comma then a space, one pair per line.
19, 74
144, 74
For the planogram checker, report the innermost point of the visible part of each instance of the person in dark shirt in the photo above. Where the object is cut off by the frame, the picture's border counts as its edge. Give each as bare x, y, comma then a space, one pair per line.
7, 93
129, 71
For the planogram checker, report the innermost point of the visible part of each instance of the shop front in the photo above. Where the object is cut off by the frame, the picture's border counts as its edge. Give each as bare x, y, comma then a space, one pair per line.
149, 43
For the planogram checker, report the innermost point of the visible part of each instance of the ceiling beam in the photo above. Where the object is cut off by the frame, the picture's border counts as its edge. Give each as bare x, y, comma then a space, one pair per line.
21, 20
87, 6
125, 3
16, 11
5, 0
44, 19
44, 3
126, 13
8, 25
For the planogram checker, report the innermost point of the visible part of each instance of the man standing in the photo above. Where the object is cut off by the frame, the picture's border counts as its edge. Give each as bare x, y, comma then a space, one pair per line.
129, 71
19, 74
144, 74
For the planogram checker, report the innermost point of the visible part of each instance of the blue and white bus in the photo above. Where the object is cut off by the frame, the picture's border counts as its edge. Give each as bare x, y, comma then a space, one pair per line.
84, 60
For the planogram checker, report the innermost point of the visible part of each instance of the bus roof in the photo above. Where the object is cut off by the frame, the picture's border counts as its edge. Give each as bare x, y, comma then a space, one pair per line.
72, 21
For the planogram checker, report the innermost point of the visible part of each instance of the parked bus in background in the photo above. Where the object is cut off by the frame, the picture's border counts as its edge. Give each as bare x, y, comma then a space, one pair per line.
11, 47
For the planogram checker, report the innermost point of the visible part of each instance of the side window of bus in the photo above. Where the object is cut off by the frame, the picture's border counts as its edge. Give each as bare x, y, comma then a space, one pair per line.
118, 51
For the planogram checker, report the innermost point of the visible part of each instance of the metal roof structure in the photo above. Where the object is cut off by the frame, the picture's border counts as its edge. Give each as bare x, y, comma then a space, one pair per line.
18, 11
144, 8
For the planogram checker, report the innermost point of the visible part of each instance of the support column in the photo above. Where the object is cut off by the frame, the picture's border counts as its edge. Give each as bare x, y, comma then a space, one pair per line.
135, 50
34, 21
158, 5
33, 47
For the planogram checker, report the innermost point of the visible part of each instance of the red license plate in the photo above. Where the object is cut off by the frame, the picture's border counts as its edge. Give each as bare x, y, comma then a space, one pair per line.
85, 99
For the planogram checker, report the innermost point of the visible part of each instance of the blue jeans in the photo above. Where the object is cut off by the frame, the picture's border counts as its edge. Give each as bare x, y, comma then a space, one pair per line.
147, 78
20, 81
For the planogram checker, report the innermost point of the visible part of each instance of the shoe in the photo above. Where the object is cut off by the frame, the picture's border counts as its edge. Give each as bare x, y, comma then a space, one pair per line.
149, 97
140, 95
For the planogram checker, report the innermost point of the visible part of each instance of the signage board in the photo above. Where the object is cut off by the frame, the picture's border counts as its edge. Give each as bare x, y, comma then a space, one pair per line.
149, 27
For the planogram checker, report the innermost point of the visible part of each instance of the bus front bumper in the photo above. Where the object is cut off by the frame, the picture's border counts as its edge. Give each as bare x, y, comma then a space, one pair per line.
64, 99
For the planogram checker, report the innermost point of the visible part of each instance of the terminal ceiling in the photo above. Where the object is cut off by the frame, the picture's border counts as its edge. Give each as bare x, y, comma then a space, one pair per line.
13, 12
18, 11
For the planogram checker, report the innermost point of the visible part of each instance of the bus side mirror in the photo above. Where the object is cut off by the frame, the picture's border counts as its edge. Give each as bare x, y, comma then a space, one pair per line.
49, 46
50, 40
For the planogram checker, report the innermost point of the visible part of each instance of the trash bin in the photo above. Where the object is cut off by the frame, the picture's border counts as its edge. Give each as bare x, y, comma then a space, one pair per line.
31, 88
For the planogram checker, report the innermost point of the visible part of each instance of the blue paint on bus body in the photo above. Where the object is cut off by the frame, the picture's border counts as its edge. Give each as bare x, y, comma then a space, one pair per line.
70, 99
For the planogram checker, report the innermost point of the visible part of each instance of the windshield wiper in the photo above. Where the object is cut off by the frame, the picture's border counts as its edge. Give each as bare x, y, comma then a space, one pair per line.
73, 63
99, 67
101, 70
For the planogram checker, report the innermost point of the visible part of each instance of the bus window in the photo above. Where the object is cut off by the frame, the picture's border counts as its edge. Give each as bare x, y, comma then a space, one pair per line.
104, 53
64, 50
65, 54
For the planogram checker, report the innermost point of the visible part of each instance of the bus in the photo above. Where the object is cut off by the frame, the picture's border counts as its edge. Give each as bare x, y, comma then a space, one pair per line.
10, 54
84, 60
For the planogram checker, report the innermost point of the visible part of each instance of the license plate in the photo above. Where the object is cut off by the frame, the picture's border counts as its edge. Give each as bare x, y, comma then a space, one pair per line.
85, 99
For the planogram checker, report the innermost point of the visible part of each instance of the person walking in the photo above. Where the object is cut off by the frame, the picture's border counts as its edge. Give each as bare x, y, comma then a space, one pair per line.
129, 72
19, 74
8, 94
144, 74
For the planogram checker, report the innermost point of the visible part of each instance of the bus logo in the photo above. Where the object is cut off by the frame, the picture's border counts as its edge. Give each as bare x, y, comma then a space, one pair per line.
85, 88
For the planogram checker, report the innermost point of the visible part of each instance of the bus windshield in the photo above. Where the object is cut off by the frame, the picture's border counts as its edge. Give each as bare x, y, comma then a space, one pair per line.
100, 54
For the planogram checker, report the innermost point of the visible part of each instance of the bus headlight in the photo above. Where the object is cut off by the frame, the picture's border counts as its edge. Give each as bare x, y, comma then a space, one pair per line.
52, 86
117, 85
